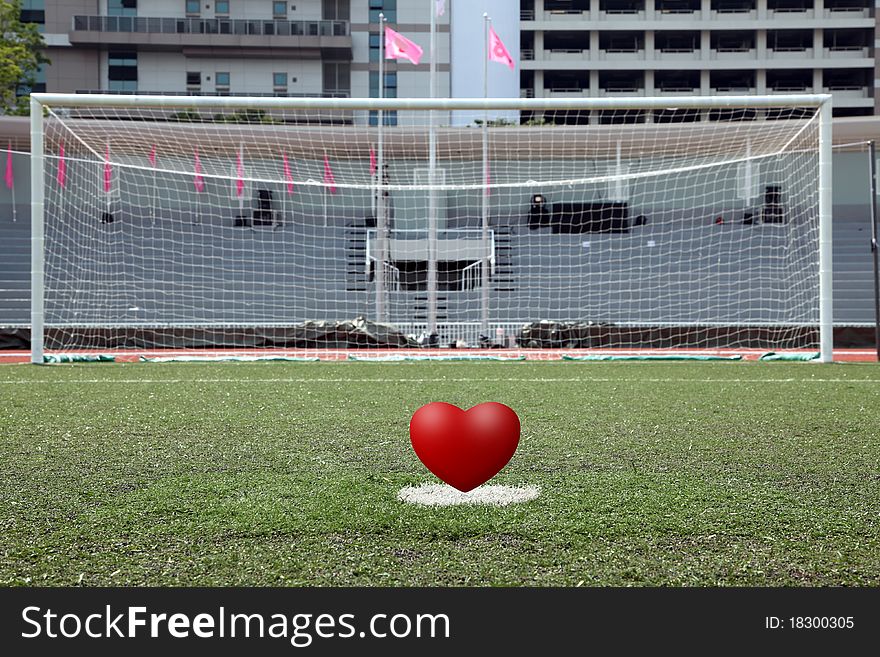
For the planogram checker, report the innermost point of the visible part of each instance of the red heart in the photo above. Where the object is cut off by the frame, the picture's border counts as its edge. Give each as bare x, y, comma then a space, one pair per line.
464, 448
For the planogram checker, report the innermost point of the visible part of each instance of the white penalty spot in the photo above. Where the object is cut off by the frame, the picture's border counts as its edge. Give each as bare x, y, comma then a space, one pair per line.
490, 495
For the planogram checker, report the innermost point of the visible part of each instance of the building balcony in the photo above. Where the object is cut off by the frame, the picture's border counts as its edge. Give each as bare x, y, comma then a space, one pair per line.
566, 54
790, 53
734, 53
688, 15
560, 92
569, 15
623, 54
622, 15
732, 91
846, 52
791, 13
847, 12
790, 89
677, 91
847, 92
681, 54
734, 13
237, 94
162, 32
618, 92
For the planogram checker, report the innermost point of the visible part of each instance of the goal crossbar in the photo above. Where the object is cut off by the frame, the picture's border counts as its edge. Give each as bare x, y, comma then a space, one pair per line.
821, 103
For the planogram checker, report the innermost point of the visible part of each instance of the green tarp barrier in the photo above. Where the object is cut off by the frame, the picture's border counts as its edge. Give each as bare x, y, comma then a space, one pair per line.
396, 359
224, 359
79, 358
650, 357
790, 357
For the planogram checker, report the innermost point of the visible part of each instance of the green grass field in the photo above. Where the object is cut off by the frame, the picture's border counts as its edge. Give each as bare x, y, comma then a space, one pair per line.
287, 474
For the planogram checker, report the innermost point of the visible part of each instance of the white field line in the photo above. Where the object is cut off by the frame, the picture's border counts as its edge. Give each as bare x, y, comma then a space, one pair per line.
304, 380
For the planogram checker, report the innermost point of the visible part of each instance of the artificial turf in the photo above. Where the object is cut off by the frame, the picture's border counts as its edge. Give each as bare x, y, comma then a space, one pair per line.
287, 474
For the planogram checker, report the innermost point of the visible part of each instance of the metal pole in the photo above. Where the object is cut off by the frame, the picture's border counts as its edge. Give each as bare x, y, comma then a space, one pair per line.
14, 209
872, 154
379, 262
826, 305
484, 297
37, 233
432, 193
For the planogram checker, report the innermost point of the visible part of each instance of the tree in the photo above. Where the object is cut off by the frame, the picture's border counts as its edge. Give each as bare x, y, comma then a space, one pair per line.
21, 54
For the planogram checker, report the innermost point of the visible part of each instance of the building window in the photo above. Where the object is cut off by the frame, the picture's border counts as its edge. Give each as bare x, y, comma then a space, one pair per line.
337, 77
221, 8
221, 80
279, 81
390, 92
390, 84
279, 10
374, 47
193, 7
33, 11
387, 7
122, 73
122, 7
193, 81
336, 10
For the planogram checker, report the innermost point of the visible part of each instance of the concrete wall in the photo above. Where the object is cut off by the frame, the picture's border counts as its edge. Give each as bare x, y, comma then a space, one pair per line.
166, 71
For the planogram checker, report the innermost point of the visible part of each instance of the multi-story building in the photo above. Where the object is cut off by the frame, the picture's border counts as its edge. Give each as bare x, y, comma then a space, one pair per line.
590, 48
247, 47
600, 48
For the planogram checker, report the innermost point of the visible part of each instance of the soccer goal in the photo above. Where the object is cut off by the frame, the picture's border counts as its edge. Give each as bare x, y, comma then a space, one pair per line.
235, 224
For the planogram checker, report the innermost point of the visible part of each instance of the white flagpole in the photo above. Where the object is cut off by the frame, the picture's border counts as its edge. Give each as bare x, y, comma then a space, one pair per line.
155, 197
484, 306
108, 192
379, 271
14, 210
432, 175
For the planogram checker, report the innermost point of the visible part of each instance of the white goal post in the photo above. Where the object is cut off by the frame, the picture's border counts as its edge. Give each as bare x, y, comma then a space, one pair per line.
242, 223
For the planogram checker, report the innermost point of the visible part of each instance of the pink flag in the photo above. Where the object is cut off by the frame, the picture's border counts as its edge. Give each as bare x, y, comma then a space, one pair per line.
372, 161
328, 175
152, 156
108, 171
287, 175
397, 46
239, 176
61, 174
198, 181
10, 176
497, 51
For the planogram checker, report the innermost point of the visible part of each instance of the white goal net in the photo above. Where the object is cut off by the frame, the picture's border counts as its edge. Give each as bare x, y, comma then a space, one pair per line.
291, 224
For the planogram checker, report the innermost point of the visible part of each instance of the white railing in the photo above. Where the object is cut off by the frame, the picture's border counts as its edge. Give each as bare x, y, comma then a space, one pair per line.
472, 276
842, 52
621, 14
565, 15
621, 91
565, 53
800, 52
392, 273
468, 332
792, 12
847, 91
734, 53
562, 92
191, 25
847, 12
678, 53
